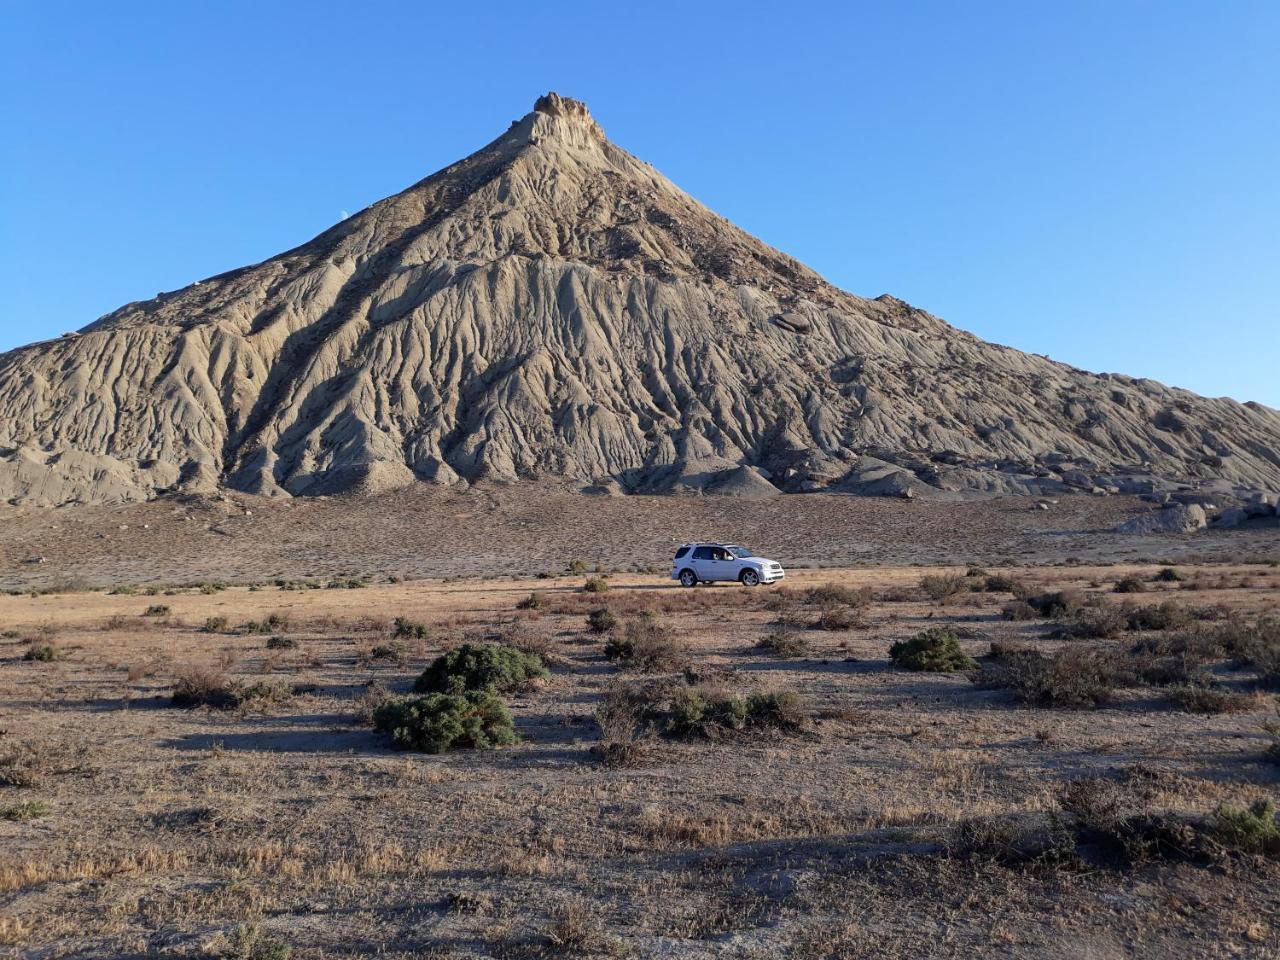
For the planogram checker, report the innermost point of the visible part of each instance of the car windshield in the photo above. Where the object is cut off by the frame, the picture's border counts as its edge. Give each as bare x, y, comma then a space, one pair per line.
740, 552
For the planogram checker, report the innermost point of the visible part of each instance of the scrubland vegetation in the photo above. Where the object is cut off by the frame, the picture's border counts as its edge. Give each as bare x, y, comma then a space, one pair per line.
486, 769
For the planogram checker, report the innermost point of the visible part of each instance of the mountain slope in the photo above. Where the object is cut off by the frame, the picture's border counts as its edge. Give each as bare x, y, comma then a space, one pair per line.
552, 306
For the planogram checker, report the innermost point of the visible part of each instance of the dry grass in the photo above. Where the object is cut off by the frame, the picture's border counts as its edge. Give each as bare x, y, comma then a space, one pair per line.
290, 820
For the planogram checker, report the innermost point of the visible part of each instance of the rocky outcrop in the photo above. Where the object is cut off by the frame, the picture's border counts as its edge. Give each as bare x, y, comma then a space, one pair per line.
1178, 518
552, 306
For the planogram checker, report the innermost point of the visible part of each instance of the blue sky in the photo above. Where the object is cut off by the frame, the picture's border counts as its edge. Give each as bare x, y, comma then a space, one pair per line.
1095, 181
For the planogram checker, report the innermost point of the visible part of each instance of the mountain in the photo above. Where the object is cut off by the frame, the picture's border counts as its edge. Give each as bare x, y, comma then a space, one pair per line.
551, 306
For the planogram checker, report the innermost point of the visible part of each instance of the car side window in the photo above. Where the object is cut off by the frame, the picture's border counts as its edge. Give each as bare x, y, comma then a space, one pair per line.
681, 552
702, 553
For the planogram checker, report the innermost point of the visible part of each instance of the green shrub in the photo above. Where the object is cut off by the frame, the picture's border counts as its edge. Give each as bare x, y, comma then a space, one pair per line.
480, 667
601, 620
157, 610
532, 602
281, 643
387, 651
1167, 575
346, 583
274, 623
215, 625
595, 585
43, 653
705, 712
935, 650
941, 586
405, 629
28, 810
124, 590
446, 721
1253, 830
1129, 585
250, 943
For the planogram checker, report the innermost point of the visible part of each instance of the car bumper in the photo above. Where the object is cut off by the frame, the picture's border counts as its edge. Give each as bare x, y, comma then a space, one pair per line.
772, 576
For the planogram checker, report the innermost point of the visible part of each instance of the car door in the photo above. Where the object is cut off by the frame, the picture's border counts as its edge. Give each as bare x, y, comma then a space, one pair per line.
702, 564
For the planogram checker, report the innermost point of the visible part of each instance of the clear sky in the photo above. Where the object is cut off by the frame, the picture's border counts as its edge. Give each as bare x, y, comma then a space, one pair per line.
1098, 181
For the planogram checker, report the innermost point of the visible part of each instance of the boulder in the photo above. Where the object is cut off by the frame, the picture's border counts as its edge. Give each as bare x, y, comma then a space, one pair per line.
1179, 518
1231, 517
1261, 505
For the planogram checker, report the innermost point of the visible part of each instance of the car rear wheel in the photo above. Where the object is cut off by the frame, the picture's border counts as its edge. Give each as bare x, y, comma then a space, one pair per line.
750, 578
688, 578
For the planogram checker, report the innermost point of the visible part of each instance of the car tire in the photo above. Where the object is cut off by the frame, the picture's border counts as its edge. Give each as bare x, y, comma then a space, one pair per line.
688, 578
749, 578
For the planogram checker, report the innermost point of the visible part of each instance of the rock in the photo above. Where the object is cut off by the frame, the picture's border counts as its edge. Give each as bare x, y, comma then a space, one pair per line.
1179, 518
1231, 517
1042, 505
1261, 505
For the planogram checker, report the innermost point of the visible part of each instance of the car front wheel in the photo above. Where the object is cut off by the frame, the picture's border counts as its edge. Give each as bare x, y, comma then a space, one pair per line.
750, 578
688, 578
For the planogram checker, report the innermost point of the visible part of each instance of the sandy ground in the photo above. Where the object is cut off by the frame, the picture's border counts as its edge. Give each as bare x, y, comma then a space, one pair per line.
497, 530
162, 831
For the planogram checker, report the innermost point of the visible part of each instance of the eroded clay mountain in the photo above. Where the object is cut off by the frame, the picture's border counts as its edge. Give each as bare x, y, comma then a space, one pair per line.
553, 307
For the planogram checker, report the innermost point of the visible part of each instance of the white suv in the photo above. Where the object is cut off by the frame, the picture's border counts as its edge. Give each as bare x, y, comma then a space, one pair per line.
708, 562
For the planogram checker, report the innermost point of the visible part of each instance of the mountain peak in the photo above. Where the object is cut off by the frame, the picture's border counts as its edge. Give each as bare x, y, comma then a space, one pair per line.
566, 114
553, 104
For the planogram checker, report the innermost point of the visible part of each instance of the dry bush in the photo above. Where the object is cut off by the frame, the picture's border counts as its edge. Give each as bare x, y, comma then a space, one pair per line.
1120, 816
1205, 699
830, 594
1129, 585
647, 646
836, 617
601, 620
1001, 583
942, 587
534, 601
595, 585
1092, 623
44, 653
785, 642
375, 694
624, 727
1055, 604
215, 625
1019, 610
1073, 677
210, 687
1164, 616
